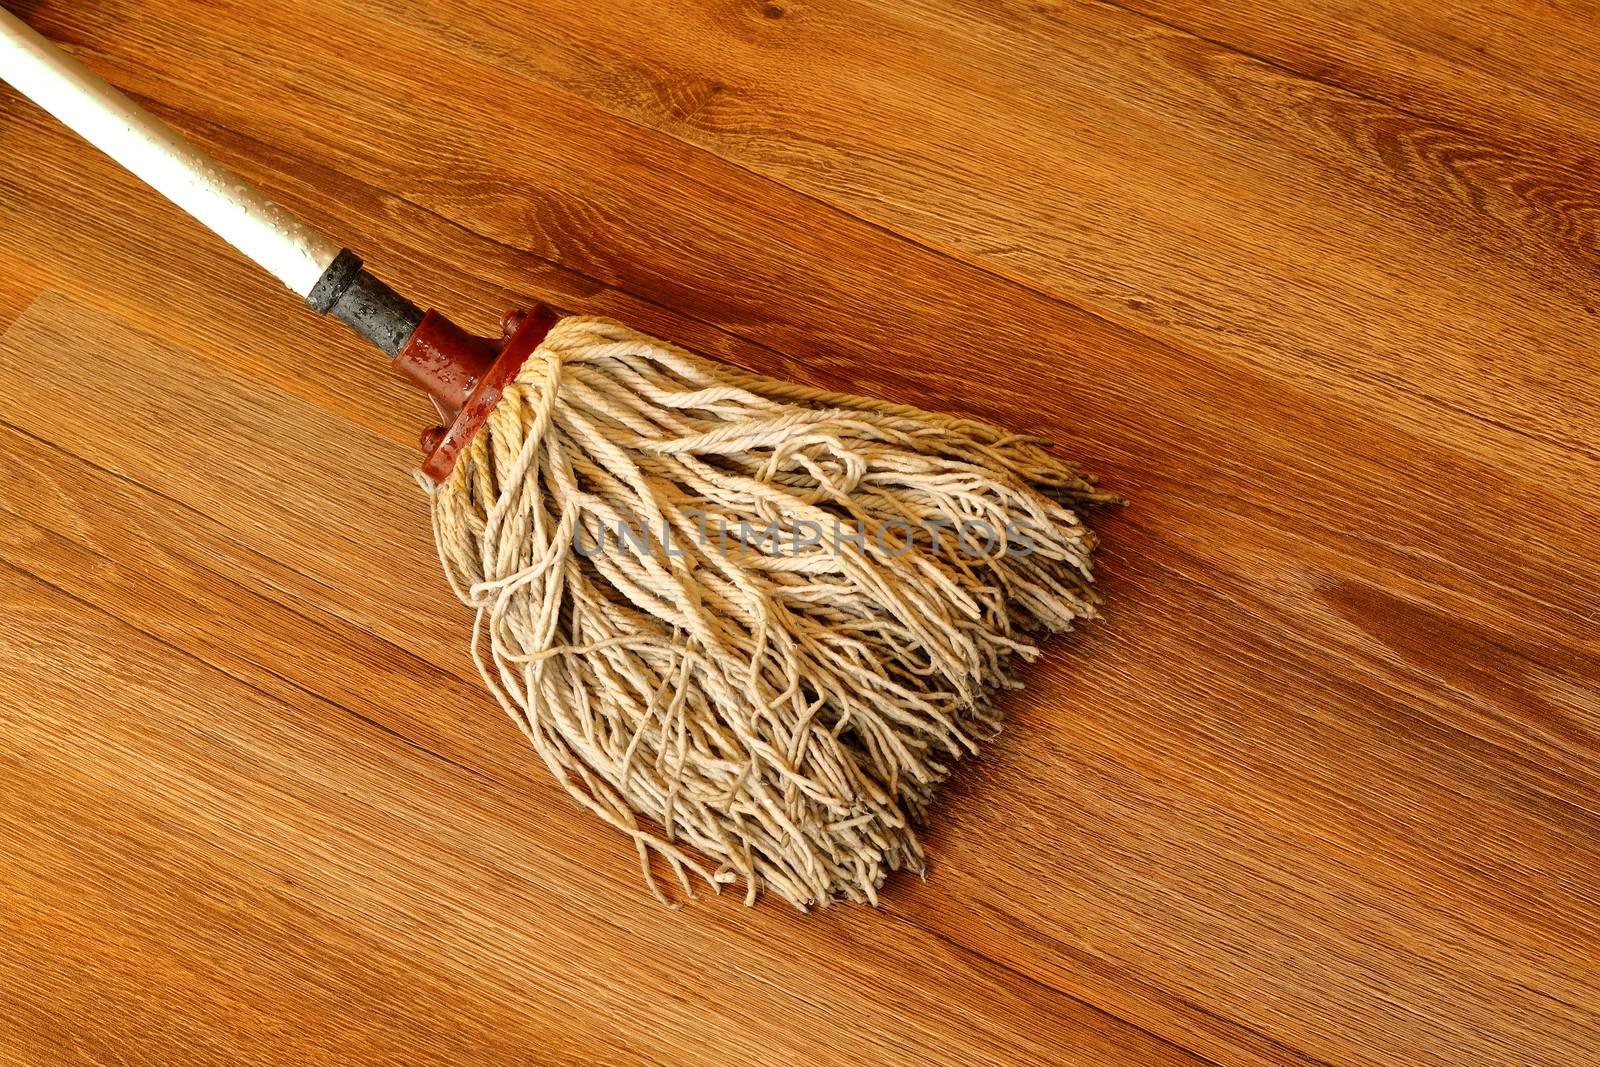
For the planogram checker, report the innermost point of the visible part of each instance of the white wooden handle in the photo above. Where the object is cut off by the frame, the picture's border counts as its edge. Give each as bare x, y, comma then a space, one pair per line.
294, 252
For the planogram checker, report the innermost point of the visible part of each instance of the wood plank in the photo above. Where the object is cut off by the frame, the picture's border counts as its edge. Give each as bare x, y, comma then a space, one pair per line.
1222, 259
1321, 789
1487, 66
1181, 208
347, 891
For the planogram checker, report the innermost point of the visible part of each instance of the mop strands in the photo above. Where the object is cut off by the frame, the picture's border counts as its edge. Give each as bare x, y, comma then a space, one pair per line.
764, 617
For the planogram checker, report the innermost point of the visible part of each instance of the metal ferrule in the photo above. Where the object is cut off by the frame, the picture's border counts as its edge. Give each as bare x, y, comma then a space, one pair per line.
350, 293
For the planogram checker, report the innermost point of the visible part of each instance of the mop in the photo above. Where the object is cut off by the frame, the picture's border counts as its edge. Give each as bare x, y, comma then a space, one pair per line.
748, 623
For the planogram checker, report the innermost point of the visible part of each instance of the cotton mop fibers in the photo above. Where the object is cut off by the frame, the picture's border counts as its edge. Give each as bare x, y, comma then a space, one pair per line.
745, 621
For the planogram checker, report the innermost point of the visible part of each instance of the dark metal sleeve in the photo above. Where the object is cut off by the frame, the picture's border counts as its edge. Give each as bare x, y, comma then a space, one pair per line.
353, 296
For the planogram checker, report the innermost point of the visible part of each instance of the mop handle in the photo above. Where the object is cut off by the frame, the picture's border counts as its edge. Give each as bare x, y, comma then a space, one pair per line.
296, 253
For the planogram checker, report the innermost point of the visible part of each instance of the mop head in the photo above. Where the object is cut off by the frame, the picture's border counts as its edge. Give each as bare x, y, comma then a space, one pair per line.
748, 621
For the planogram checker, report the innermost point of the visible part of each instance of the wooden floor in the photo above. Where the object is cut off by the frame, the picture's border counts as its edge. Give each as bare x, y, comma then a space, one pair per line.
1313, 282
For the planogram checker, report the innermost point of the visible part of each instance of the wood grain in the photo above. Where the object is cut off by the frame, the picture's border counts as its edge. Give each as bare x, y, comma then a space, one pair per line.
1401, 213
1320, 790
1488, 67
